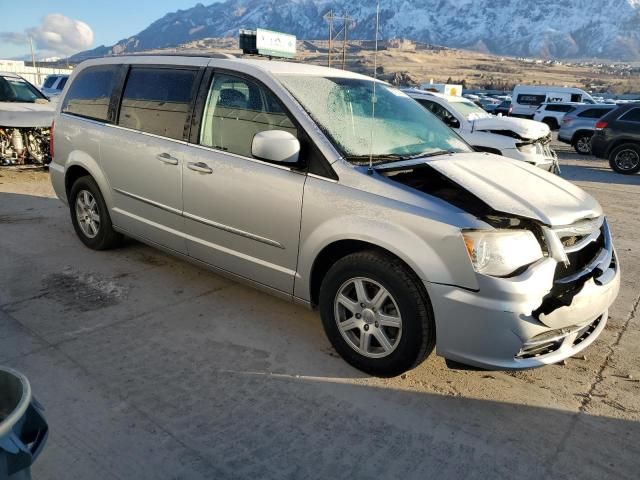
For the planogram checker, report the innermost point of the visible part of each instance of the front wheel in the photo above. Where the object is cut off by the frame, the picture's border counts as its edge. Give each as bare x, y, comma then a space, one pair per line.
625, 158
376, 314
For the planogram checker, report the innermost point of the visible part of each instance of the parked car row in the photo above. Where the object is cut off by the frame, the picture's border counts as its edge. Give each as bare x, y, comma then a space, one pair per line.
617, 138
344, 194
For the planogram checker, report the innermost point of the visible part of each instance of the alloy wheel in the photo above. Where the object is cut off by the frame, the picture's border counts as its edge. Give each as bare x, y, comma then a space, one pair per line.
627, 159
583, 145
368, 317
87, 213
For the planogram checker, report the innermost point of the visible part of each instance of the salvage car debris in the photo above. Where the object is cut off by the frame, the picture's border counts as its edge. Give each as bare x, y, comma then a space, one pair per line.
25, 120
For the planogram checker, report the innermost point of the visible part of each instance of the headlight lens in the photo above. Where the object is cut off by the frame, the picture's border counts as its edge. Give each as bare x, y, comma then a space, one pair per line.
501, 252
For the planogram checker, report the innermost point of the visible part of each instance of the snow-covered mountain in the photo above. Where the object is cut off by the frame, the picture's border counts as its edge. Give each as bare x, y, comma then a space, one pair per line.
543, 28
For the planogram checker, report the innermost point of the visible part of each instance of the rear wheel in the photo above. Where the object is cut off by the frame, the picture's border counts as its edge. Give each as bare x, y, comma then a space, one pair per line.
90, 216
582, 143
376, 314
625, 158
551, 122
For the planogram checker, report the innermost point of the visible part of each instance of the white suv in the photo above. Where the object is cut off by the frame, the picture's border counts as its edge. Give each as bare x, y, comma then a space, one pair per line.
552, 113
516, 138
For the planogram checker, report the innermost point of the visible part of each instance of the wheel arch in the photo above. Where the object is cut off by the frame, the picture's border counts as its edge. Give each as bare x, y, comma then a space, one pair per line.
81, 164
578, 133
333, 252
619, 142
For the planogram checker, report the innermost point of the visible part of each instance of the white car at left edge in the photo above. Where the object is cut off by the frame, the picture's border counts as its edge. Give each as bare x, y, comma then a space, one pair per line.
26, 116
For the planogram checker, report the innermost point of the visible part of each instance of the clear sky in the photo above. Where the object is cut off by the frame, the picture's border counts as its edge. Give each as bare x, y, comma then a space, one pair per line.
110, 21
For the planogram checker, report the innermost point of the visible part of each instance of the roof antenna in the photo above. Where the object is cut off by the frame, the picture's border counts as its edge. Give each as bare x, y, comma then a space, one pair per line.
373, 98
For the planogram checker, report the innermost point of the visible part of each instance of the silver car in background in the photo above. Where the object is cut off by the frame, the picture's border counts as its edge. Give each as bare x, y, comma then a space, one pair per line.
283, 176
579, 124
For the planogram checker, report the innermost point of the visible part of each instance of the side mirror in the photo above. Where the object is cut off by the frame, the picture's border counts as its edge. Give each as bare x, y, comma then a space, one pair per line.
453, 122
276, 146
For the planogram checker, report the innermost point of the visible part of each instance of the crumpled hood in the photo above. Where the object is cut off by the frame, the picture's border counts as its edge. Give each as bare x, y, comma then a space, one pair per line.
515, 187
527, 129
26, 115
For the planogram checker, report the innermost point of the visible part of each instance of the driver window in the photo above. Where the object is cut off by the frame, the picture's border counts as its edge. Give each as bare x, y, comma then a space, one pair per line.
236, 110
441, 112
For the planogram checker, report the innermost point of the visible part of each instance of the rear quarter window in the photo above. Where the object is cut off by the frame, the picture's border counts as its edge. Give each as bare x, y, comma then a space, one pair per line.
632, 115
594, 113
90, 93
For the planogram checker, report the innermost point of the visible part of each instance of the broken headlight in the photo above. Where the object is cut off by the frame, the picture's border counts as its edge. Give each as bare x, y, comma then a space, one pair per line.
500, 253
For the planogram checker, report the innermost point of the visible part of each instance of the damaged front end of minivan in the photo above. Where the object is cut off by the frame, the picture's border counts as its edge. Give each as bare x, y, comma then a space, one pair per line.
545, 277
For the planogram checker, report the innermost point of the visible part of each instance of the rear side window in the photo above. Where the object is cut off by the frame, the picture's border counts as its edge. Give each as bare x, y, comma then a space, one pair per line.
632, 115
62, 83
157, 100
90, 93
527, 99
594, 113
236, 110
558, 108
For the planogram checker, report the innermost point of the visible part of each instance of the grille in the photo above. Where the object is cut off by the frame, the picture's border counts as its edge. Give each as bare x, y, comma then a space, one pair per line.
580, 258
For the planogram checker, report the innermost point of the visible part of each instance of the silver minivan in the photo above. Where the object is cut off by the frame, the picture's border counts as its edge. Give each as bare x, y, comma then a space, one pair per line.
340, 193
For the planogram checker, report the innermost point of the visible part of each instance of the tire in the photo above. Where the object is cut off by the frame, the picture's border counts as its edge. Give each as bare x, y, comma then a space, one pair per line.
551, 122
407, 302
625, 158
582, 143
101, 236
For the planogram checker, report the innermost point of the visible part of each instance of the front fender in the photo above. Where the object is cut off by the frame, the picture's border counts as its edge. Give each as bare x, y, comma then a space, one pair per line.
434, 250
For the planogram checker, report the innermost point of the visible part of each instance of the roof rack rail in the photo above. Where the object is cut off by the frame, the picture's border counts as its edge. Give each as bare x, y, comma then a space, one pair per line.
174, 54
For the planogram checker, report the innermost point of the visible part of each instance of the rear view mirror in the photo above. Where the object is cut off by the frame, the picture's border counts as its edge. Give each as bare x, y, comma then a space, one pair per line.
276, 146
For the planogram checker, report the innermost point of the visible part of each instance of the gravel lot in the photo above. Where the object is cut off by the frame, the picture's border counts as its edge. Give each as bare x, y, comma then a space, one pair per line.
151, 368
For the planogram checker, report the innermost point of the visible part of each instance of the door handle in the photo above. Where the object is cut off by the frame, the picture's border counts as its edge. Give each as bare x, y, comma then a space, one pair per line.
166, 158
199, 167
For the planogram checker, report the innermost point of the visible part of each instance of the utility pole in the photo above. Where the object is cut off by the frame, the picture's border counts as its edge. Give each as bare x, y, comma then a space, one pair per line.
346, 19
33, 61
330, 19
344, 42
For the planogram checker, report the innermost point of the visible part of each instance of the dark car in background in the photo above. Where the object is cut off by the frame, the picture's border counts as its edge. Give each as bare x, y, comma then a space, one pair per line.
579, 124
504, 108
617, 138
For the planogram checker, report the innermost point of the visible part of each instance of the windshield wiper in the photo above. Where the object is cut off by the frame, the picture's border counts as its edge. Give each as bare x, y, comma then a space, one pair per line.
386, 158
377, 159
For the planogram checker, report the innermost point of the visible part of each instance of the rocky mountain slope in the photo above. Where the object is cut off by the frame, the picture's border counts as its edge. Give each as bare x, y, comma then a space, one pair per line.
545, 28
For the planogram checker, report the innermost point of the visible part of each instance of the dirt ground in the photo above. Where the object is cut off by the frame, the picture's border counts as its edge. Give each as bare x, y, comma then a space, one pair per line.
151, 368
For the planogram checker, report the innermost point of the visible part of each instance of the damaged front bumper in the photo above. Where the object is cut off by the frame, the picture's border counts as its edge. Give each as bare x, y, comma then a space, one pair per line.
536, 152
534, 319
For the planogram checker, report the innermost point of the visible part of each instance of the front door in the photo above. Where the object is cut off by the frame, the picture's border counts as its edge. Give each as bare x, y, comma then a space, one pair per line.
242, 214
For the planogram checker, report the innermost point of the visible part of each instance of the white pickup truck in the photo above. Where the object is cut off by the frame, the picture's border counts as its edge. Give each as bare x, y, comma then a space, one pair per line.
516, 138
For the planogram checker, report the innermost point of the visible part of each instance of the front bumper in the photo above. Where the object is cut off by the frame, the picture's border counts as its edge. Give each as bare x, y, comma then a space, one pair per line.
565, 136
544, 157
501, 327
599, 145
